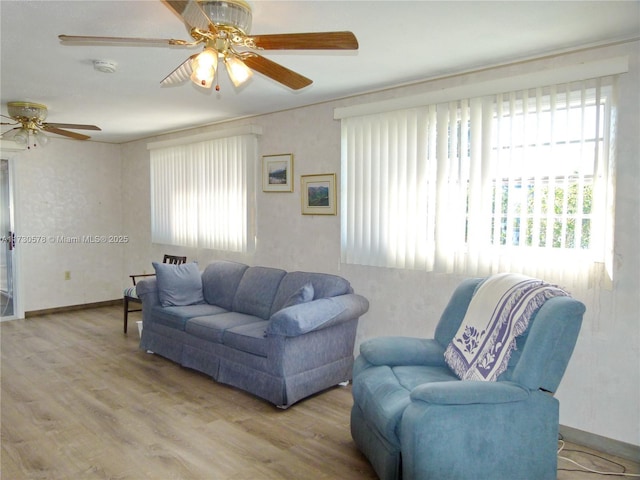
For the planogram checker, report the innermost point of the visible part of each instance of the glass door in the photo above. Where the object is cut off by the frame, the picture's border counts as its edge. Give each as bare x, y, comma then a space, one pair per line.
7, 245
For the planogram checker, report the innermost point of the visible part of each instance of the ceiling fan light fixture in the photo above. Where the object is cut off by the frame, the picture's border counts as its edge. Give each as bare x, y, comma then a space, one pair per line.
204, 67
233, 13
223, 25
237, 70
30, 138
30, 116
27, 110
40, 139
21, 137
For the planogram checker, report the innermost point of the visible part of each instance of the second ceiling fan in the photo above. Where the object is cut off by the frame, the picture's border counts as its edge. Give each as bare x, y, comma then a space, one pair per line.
222, 27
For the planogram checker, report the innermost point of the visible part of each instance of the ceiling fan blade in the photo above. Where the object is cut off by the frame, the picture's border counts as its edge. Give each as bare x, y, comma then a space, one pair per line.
10, 130
91, 40
178, 6
191, 13
307, 41
277, 72
180, 74
66, 133
74, 126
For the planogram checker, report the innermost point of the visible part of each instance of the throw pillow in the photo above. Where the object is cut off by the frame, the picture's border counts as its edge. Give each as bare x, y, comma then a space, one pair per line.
303, 295
178, 284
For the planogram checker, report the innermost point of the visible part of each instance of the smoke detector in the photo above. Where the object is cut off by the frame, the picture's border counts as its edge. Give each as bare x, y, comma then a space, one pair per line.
104, 66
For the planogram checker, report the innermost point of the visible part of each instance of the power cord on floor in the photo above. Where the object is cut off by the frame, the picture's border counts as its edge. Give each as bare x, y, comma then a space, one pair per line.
561, 448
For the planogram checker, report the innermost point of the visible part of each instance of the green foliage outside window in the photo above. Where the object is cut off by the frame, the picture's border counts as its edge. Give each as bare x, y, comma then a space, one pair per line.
570, 217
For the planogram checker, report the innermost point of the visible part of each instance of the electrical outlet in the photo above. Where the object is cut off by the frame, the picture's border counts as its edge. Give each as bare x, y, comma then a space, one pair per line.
67, 275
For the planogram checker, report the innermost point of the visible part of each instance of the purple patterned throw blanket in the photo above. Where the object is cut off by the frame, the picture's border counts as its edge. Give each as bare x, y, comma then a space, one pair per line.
498, 312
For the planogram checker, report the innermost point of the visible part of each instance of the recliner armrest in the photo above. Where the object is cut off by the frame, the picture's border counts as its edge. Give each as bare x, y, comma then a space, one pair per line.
469, 392
393, 351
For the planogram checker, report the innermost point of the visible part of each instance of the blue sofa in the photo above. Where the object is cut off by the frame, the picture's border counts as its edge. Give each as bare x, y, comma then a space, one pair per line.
414, 418
281, 336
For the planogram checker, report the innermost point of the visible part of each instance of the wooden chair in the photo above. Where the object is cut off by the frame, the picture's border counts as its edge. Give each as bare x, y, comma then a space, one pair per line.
130, 295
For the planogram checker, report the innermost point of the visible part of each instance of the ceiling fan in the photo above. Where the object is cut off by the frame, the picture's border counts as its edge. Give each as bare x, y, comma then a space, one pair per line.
28, 119
222, 27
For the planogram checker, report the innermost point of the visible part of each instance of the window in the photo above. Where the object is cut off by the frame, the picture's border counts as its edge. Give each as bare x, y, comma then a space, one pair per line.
551, 143
519, 181
202, 193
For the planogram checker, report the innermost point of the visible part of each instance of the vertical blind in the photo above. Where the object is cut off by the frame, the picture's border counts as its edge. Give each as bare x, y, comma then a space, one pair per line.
202, 193
386, 197
519, 181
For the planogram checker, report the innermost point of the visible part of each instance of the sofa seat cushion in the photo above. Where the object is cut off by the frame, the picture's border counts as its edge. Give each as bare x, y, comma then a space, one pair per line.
248, 338
176, 317
383, 393
212, 327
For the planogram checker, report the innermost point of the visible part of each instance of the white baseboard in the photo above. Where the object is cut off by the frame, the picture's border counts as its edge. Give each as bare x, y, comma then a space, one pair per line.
603, 444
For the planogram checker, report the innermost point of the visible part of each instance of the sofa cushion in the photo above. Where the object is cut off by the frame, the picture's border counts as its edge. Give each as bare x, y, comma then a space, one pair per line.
212, 327
220, 281
324, 286
256, 291
176, 317
248, 338
178, 285
131, 292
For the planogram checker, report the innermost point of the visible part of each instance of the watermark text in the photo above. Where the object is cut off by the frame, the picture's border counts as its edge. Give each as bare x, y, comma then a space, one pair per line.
64, 239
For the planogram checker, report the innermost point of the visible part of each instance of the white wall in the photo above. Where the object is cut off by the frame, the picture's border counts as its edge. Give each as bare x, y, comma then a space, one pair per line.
601, 390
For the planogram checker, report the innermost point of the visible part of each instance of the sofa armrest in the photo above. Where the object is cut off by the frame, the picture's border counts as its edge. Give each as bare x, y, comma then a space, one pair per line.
147, 291
324, 312
394, 351
469, 392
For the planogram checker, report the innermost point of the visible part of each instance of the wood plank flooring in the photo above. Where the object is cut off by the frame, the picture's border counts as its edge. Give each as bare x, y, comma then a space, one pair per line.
79, 400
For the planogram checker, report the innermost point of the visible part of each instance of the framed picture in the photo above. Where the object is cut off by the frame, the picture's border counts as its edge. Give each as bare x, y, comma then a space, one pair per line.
277, 173
318, 194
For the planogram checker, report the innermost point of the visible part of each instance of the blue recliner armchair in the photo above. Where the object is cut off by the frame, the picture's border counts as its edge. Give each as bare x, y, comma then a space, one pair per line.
414, 418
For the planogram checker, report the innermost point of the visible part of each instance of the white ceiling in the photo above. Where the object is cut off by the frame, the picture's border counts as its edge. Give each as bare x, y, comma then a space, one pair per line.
400, 42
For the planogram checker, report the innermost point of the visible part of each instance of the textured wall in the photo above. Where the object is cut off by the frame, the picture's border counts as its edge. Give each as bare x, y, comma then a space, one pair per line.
69, 197
601, 390
80, 188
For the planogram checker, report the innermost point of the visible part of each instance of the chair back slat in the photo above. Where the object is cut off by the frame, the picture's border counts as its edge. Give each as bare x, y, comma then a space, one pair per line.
174, 259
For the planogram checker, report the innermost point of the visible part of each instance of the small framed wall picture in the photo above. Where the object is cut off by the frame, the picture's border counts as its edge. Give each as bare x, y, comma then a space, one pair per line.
277, 173
318, 194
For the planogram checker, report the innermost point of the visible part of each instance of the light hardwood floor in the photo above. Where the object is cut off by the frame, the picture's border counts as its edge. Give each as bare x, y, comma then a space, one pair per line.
79, 400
